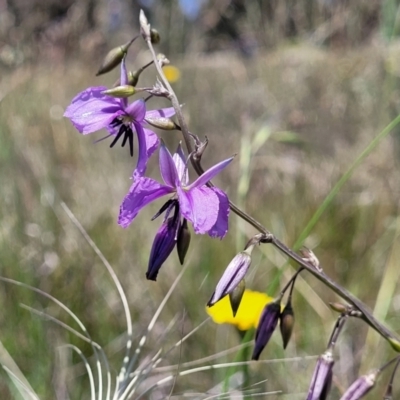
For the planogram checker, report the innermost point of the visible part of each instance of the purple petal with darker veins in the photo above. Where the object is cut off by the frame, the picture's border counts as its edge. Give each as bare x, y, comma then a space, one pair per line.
200, 207
167, 167
91, 110
163, 112
210, 173
137, 110
142, 192
220, 227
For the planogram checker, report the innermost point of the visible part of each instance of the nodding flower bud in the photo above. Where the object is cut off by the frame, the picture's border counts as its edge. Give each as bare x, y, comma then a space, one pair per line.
154, 36
120, 91
266, 326
183, 241
286, 323
114, 57
322, 377
162, 123
232, 276
163, 244
235, 297
361, 386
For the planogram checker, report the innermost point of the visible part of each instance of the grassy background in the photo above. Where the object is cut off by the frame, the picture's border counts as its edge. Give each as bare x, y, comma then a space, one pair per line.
297, 116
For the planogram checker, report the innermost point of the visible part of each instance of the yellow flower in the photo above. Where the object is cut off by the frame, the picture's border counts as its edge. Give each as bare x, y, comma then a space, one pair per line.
248, 314
171, 73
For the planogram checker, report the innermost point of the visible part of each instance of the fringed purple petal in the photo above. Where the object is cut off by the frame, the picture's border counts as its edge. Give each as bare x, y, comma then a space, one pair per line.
91, 110
142, 192
200, 207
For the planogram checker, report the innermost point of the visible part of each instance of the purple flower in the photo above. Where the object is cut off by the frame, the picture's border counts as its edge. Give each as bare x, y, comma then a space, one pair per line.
206, 208
91, 110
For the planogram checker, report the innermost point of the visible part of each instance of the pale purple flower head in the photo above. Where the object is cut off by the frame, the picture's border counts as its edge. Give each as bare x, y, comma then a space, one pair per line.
206, 208
91, 110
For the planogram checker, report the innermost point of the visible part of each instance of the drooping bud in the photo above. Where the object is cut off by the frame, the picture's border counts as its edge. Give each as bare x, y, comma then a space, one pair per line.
361, 386
154, 36
233, 274
114, 57
122, 91
266, 326
322, 377
163, 244
286, 323
162, 123
235, 297
183, 241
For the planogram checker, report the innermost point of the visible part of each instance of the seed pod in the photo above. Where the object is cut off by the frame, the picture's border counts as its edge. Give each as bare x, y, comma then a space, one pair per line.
120, 91
235, 297
183, 241
154, 36
163, 123
114, 57
286, 323
338, 307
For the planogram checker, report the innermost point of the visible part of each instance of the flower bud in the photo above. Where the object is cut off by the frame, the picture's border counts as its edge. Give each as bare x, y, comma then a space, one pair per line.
361, 386
286, 323
162, 123
233, 274
338, 307
322, 377
235, 297
163, 244
183, 241
120, 91
114, 57
266, 326
154, 36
